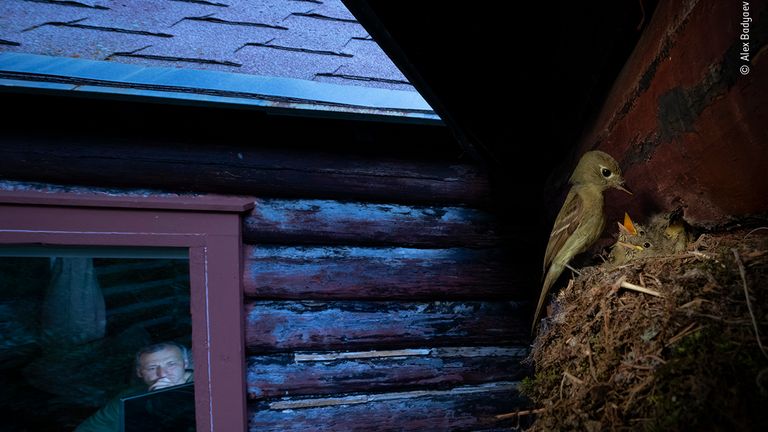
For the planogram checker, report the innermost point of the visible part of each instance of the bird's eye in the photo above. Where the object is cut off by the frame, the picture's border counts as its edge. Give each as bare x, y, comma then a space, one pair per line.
646, 245
606, 172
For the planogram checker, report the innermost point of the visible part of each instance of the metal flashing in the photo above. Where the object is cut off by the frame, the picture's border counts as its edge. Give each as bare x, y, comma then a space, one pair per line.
274, 94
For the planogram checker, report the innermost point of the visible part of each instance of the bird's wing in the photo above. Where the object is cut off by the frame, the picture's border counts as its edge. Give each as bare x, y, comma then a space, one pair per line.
567, 221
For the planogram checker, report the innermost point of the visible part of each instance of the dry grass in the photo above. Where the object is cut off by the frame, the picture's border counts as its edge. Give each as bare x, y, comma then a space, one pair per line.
662, 343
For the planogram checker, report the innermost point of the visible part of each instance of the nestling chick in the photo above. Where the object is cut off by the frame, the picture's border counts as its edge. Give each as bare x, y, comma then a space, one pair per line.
581, 220
672, 232
665, 234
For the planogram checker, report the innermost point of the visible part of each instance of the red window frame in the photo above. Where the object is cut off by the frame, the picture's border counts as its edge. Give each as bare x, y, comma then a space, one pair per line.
208, 226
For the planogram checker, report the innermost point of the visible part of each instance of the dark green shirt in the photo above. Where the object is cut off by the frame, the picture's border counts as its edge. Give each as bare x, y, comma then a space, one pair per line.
107, 419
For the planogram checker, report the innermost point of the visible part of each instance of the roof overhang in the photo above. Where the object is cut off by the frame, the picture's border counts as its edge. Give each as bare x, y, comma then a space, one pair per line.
507, 75
281, 96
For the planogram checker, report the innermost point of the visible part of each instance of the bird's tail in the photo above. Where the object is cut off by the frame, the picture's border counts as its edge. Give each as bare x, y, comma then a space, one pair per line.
552, 274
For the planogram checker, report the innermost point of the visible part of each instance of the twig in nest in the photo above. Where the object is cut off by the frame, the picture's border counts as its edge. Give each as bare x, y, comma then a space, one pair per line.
519, 413
685, 332
573, 378
635, 390
588, 352
743, 274
701, 241
606, 323
701, 255
638, 288
654, 278
616, 285
756, 229
723, 320
694, 302
641, 367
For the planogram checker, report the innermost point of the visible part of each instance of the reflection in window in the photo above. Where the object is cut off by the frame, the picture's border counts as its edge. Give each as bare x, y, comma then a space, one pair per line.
70, 326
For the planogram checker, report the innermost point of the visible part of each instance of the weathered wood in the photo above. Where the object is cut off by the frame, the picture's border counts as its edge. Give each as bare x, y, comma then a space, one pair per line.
377, 273
125, 316
238, 170
461, 408
349, 325
142, 289
688, 126
296, 374
334, 222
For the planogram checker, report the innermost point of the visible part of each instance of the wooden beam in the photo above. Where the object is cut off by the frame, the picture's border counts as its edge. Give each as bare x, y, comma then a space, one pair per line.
277, 272
688, 126
238, 170
461, 408
324, 373
311, 325
355, 223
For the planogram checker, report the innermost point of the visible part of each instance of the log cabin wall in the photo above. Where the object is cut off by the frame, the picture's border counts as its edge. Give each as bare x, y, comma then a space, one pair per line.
391, 316
377, 290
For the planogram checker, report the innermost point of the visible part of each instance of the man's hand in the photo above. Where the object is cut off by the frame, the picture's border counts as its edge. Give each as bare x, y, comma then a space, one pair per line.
161, 383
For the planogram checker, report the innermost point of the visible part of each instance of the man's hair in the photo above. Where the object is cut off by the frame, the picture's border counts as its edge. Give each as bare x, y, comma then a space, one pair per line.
149, 349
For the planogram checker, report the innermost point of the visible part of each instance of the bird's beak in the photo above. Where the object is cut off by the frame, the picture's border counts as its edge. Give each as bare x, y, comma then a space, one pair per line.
622, 188
629, 246
628, 225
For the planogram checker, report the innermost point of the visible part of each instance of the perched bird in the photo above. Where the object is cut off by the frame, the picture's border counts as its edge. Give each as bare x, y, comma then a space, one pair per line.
664, 234
581, 220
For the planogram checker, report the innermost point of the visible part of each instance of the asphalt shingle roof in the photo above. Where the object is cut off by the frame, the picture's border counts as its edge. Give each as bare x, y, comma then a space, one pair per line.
317, 40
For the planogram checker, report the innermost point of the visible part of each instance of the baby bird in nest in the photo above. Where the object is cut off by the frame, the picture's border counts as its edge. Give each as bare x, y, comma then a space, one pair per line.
664, 234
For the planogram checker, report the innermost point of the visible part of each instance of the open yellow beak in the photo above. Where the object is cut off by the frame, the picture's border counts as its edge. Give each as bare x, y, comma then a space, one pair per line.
629, 246
628, 225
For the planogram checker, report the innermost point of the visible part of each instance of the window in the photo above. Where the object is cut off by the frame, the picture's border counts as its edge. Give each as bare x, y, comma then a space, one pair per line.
71, 321
187, 248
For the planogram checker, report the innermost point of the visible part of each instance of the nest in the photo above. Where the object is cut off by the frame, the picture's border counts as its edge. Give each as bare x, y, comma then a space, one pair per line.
661, 343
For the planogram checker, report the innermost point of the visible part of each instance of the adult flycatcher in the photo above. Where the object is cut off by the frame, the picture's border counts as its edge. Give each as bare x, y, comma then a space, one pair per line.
581, 219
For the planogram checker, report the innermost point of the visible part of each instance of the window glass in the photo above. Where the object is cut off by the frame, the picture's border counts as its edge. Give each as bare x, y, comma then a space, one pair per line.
71, 324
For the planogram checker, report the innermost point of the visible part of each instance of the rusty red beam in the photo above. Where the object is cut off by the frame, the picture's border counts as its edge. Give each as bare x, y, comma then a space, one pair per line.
686, 116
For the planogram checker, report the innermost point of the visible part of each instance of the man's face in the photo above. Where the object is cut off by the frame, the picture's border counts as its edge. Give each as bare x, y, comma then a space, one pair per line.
163, 368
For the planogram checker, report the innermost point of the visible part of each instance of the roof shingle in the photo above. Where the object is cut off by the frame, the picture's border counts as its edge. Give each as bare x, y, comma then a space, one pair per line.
308, 39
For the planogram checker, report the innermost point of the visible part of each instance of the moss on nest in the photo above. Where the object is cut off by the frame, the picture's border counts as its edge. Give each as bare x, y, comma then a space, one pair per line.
618, 359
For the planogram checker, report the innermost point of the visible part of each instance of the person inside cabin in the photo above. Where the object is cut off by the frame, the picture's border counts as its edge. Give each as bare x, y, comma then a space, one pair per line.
159, 366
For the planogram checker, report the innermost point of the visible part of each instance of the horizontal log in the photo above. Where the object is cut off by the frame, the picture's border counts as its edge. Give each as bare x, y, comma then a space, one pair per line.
462, 408
349, 325
126, 316
132, 292
296, 374
334, 222
238, 170
276, 272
